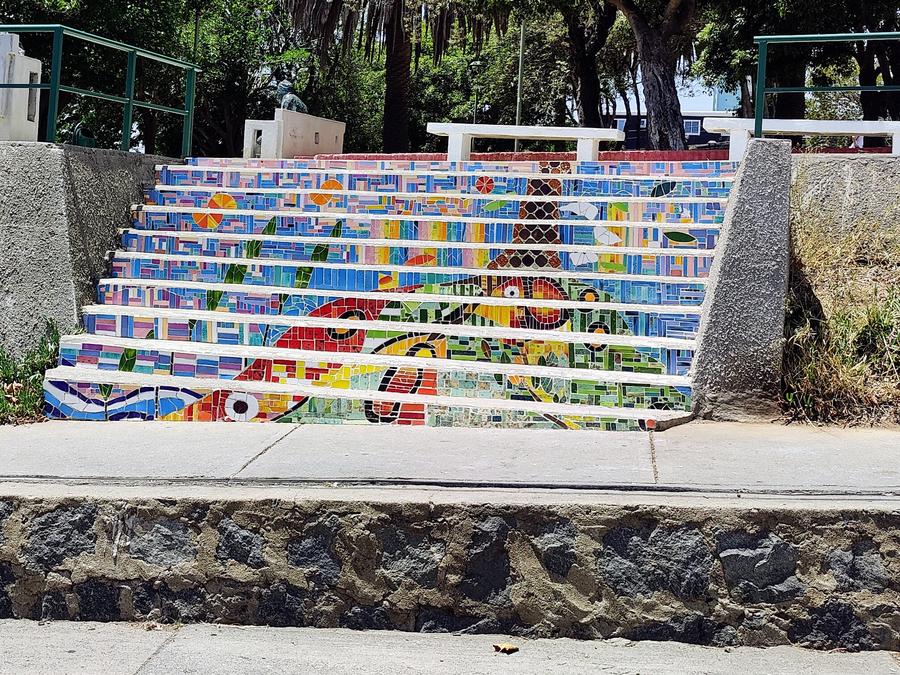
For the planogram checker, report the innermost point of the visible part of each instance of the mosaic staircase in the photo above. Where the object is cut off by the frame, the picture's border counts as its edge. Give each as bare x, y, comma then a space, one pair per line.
525, 294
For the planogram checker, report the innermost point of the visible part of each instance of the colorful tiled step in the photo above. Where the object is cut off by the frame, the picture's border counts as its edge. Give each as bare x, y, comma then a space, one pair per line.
519, 207
688, 262
458, 183
428, 228
709, 169
669, 354
364, 277
263, 299
84, 393
616, 318
420, 367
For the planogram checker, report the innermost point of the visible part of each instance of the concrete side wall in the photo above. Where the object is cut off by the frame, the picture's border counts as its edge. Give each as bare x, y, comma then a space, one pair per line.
847, 191
826, 577
737, 368
60, 208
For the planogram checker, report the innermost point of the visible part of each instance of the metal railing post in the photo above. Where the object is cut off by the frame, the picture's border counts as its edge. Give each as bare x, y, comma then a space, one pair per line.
55, 75
760, 102
125, 143
187, 130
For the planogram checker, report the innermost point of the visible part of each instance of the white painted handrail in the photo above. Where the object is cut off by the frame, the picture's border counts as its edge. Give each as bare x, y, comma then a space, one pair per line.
740, 130
459, 137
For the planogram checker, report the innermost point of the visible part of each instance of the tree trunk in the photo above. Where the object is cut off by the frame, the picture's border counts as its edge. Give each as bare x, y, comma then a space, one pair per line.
398, 59
588, 91
746, 105
149, 130
585, 43
665, 125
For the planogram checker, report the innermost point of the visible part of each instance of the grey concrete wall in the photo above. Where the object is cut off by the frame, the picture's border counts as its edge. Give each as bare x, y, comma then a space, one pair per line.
60, 208
737, 368
707, 574
847, 191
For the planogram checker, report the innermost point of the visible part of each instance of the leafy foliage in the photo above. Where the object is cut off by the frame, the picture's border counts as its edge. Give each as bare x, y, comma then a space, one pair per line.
21, 380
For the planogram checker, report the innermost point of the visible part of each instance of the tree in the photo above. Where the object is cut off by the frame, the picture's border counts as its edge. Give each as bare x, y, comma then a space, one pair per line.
588, 25
660, 29
397, 26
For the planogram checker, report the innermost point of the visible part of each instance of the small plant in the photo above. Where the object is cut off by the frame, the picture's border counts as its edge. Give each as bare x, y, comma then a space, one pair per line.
21, 380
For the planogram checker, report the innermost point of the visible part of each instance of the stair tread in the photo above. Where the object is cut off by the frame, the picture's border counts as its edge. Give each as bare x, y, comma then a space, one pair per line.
80, 374
386, 360
546, 335
423, 269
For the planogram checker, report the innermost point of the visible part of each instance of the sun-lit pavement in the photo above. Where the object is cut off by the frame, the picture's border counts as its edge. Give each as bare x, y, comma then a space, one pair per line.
696, 457
28, 647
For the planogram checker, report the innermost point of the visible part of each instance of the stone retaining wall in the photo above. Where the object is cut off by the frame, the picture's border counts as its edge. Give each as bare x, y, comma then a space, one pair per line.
719, 576
843, 192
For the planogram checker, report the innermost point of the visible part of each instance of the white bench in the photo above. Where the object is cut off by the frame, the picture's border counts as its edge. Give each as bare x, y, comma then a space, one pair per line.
740, 130
292, 134
459, 137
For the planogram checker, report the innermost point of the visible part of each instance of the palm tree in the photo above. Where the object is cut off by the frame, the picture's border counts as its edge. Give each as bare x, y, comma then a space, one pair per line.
397, 26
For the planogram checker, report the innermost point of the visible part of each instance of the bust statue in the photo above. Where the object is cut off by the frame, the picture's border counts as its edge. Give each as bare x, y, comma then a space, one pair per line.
290, 100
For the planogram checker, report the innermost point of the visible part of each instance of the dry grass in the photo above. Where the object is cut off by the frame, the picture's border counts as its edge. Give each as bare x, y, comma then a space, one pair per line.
22, 381
842, 355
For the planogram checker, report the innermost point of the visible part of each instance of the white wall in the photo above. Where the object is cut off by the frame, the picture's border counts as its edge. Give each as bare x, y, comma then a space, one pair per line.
19, 108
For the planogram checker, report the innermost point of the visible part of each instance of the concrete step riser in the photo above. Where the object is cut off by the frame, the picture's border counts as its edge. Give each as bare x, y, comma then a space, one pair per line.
652, 234
365, 378
714, 575
647, 359
655, 261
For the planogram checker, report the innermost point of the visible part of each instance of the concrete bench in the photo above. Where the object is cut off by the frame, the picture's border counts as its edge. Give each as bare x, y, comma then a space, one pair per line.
292, 134
740, 130
459, 137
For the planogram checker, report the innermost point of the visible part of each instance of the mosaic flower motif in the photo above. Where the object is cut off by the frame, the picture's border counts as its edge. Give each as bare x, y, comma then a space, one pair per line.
484, 184
322, 198
241, 407
210, 221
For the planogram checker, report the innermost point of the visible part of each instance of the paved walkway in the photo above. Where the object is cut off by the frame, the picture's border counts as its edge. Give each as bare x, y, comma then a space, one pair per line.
30, 648
700, 457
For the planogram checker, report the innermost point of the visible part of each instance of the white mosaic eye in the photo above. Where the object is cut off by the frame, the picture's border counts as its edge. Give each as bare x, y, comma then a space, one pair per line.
241, 407
511, 292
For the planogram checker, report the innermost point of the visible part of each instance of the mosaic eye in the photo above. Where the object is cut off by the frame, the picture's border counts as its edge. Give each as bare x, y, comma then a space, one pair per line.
241, 407
512, 292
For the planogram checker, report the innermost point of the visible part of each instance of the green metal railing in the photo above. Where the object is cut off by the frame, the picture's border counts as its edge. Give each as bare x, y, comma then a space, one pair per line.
763, 41
128, 100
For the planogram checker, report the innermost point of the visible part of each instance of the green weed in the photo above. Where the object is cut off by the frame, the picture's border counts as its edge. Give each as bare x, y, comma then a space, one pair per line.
21, 380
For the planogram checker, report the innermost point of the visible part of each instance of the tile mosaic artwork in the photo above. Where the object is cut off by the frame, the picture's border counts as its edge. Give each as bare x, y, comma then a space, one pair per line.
519, 294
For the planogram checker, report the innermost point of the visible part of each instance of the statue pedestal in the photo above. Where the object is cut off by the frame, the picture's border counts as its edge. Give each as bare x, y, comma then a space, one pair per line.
292, 134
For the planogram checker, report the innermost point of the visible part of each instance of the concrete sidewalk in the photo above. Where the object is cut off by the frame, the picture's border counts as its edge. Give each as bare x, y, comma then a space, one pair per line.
30, 648
700, 457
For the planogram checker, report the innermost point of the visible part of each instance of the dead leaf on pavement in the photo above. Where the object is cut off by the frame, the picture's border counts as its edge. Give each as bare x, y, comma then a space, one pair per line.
506, 648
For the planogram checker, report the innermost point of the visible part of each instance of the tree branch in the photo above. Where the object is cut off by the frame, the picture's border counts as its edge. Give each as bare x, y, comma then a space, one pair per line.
677, 16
